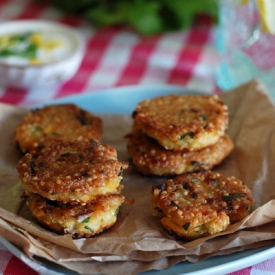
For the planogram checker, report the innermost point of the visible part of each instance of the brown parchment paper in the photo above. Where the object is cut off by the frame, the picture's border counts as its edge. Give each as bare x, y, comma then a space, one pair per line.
137, 242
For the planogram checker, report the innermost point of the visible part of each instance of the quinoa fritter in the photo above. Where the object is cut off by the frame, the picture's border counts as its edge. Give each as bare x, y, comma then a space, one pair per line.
79, 220
66, 122
152, 159
72, 172
199, 204
179, 122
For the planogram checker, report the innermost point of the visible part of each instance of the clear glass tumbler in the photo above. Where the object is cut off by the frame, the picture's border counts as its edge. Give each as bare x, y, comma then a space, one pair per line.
246, 50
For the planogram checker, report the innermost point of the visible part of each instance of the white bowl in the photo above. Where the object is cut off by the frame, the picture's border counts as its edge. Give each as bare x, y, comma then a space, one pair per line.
50, 73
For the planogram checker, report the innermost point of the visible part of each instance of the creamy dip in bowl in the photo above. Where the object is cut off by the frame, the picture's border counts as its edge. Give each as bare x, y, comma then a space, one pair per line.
38, 53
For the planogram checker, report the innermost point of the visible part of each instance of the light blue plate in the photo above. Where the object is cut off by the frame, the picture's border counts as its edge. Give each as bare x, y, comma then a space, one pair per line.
123, 101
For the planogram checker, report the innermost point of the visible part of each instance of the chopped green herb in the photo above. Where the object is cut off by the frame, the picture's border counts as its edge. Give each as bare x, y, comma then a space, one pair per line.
86, 220
116, 211
195, 180
232, 196
197, 163
186, 226
89, 229
29, 51
37, 128
203, 116
189, 134
6, 52
20, 37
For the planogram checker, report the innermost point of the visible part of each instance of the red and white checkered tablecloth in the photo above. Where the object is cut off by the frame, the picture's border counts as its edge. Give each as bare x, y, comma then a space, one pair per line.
116, 57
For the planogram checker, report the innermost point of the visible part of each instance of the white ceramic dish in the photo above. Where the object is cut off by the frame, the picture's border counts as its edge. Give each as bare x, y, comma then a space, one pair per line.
55, 71
122, 101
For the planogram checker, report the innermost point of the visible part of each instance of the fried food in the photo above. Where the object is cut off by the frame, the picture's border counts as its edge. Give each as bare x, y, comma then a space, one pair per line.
179, 122
66, 122
152, 159
72, 172
199, 204
78, 220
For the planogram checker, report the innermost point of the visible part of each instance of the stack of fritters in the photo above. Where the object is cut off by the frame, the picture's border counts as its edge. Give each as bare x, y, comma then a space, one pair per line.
175, 134
200, 204
72, 186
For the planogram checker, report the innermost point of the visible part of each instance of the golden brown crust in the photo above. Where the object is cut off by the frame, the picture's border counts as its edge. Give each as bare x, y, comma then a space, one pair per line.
152, 159
199, 204
72, 171
65, 122
179, 122
78, 220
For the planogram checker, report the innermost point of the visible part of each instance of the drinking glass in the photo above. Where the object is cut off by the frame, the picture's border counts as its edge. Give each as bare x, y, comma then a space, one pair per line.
246, 50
